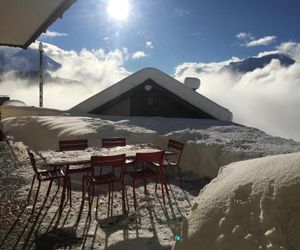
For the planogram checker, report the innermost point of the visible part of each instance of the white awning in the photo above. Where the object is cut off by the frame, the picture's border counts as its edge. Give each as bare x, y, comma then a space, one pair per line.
22, 21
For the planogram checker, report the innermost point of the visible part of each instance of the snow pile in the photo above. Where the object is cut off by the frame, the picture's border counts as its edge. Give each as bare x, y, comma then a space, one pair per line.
16, 108
210, 144
44, 132
252, 204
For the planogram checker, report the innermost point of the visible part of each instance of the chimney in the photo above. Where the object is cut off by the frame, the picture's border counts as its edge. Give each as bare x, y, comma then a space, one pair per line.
192, 83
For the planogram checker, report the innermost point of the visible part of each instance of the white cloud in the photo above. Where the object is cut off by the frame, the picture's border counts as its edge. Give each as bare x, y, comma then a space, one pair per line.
149, 45
250, 41
262, 41
267, 98
94, 70
244, 35
52, 34
138, 54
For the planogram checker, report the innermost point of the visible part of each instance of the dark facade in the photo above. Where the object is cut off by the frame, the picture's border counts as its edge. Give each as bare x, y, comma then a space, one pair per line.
150, 99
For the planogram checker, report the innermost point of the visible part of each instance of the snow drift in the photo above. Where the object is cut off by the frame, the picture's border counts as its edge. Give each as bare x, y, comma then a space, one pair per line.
210, 144
252, 204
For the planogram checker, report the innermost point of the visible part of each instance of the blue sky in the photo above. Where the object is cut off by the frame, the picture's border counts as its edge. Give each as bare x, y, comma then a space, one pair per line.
180, 31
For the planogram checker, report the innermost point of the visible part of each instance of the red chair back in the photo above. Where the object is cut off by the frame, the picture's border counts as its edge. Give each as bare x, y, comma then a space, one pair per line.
113, 142
67, 145
143, 158
111, 161
32, 160
176, 146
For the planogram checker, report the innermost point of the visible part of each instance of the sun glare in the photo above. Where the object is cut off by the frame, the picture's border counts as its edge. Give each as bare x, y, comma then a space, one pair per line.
118, 9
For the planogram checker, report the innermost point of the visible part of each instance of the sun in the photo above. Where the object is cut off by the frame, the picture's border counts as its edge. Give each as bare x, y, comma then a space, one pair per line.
118, 9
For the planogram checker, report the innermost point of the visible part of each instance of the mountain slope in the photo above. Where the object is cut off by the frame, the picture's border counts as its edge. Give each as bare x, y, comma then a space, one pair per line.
252, 63
20, 60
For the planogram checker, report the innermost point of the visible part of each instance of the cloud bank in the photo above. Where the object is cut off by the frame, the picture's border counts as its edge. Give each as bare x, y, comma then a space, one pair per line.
267, 98
91, 70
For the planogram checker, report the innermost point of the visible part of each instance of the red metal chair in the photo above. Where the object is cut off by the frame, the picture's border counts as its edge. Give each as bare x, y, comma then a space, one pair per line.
113, 142
99, 162
42, 175
68, 145
173, 160
148, 166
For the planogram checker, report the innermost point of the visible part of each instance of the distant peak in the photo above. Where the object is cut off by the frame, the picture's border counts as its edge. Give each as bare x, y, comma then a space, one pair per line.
251, 63
24, 60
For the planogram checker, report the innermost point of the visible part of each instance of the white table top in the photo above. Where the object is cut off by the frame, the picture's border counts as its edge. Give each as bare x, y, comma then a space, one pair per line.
73, 157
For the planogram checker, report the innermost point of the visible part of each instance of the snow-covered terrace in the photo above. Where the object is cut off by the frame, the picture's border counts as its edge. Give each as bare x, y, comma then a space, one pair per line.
245, 189
210, 144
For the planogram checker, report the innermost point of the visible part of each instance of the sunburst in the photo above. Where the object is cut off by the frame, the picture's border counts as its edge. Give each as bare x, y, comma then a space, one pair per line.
118, 9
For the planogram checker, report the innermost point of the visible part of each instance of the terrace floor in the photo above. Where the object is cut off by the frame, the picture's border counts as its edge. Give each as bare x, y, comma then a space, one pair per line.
152, 226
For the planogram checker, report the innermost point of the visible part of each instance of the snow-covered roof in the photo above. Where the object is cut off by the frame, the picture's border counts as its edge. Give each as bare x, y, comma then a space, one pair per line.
167, 82
21, 22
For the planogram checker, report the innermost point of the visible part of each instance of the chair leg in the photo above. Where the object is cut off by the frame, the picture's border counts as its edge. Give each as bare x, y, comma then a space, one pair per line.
70, 190
83, 185
179, 174
49, 188
30, 191
164, 182
58, 184
134, 197
163, 193
124, 196
145, 188
91, 197
123, 200
63, 195
112, 199
108, 203
37, 192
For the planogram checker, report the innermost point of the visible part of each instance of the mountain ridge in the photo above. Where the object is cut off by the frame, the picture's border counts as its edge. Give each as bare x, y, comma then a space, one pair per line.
251, 63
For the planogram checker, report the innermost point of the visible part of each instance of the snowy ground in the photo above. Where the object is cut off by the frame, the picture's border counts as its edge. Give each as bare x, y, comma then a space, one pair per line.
210, 144
151, 227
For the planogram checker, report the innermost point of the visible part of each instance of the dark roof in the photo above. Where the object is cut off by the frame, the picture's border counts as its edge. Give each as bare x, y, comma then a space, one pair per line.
16, 26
